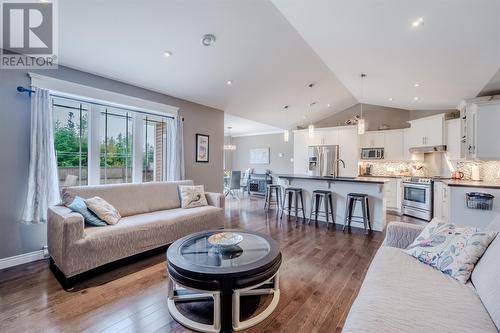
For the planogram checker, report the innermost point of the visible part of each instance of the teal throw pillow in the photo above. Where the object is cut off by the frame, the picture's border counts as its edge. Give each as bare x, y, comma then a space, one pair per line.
78, 205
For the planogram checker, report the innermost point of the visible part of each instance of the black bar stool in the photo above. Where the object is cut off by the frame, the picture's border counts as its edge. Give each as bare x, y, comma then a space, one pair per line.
326, 197
293, 194
269, 197
352, 198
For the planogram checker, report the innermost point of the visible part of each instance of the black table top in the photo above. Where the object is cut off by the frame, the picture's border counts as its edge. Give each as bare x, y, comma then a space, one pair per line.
193, 254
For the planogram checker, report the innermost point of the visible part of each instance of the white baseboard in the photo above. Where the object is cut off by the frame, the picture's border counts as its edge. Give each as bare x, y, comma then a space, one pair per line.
22, 259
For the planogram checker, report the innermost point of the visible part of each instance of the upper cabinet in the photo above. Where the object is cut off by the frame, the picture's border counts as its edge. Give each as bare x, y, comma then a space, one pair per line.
480, 129
344, 136
453, 138
428, 131
390, 140
372, 139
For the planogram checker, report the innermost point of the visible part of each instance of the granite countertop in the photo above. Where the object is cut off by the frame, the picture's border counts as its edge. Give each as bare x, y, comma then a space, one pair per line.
371, 180
470, 183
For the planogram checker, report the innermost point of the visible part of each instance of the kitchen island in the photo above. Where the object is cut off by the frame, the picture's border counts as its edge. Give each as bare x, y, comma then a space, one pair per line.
340, 187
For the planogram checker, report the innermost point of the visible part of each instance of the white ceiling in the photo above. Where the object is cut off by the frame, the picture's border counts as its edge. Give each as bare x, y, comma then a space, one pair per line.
242, 126
269, 63
272, 50
453, 55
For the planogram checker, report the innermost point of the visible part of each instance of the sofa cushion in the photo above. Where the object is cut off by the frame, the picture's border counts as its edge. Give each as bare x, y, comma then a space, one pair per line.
486, 276
103, 209
79, 206
131, 199
192, 196
400, 294
451, 249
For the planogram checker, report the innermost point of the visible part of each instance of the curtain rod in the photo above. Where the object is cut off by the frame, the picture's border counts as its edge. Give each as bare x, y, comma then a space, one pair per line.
29, 91
23, 90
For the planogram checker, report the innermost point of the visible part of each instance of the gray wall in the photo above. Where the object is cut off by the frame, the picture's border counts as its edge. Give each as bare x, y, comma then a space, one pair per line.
376, 116
17, 238
240, 158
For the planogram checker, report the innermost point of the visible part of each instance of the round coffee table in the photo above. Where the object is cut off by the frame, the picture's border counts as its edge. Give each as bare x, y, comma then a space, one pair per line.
199, 271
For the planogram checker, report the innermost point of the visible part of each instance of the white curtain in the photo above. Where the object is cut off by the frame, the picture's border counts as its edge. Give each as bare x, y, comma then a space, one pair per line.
175, 148
43, 187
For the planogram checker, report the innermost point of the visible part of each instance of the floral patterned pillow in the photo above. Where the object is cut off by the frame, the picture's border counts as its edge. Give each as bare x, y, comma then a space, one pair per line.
451, 249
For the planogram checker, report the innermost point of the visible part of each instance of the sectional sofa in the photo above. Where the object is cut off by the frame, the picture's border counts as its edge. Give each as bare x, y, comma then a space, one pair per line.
402, 295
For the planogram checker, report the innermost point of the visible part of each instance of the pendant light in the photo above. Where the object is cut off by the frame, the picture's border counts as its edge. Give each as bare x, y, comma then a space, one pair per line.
311, 126
229, 146
361, 121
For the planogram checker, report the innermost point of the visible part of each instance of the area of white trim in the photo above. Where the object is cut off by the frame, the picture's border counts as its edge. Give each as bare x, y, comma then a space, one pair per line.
22, 259
76, 90
259, 133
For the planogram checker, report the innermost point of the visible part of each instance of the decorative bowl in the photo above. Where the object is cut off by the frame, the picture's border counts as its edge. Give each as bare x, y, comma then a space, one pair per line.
225, 239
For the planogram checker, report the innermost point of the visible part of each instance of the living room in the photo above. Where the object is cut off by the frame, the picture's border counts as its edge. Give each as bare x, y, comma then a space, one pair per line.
252, 165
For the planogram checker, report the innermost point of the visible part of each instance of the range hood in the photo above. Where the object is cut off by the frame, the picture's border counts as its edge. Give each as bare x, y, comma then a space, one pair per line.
428, 149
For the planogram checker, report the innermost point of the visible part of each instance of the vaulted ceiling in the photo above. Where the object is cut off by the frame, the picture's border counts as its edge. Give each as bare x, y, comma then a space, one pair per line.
271, 51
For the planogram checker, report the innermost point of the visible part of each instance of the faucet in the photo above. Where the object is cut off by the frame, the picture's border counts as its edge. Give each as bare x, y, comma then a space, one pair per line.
336, 170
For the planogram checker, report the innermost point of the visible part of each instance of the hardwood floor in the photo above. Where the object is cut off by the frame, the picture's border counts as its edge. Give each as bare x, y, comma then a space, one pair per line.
320, 276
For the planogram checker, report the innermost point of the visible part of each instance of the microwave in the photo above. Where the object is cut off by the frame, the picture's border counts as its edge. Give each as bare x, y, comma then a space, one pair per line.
372, 153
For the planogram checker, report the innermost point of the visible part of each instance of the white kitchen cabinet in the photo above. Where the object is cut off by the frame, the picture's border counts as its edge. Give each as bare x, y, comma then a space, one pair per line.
344, 136
480, 131
390, 140
393, 145
300, 153
393, 195
427, 131
453, 138
348, 150
372, 139
408, 141
441, 201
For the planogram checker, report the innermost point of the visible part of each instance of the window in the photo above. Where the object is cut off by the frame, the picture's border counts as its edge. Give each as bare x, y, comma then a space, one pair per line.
95, 144
153, 166
115, 146
70, 141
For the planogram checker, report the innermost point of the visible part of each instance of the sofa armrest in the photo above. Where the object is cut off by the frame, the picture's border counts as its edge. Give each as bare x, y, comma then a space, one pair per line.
64, 227
401, 235
215, 199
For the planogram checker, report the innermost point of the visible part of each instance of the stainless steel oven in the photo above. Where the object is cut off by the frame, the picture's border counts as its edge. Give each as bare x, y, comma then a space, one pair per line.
418, 197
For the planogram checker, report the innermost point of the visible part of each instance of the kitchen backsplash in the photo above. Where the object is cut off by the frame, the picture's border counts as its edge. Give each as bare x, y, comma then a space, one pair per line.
395, 168
488, 170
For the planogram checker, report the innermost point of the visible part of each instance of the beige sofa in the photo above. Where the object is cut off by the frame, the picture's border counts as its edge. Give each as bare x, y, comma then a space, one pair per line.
400, 294
151, 218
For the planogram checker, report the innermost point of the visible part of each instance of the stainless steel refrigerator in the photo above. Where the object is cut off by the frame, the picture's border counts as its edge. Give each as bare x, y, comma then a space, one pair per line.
323, 160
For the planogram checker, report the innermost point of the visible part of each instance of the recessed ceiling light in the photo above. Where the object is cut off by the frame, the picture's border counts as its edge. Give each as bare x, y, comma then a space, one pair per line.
390, 99
416, 85
328, 105
229, 82
415, 98
418, 22
207, 40
167, 54
286, 107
